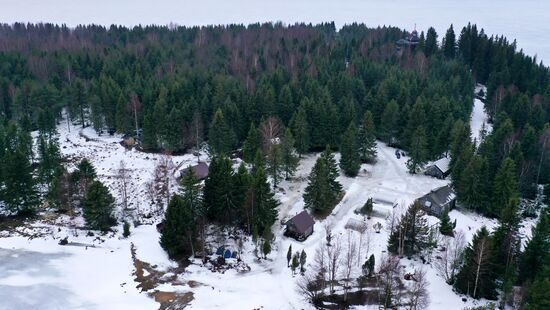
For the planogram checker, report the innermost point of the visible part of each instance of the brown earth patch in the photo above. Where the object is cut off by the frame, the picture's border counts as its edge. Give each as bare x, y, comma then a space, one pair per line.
148, 278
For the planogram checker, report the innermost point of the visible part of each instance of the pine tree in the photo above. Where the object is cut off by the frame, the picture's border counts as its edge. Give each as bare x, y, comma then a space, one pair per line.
418, 151
445, 225
252, 144
221, 137
367, 139
98, 207
412, 234
476, 277
289, 159
349, 149
505, 186
300, 129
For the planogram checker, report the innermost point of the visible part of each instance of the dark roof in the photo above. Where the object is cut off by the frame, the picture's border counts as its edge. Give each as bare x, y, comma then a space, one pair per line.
438, 197
302, 221
200, 170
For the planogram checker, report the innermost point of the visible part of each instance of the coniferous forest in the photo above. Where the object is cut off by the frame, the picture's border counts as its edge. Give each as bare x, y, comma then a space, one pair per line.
313, 87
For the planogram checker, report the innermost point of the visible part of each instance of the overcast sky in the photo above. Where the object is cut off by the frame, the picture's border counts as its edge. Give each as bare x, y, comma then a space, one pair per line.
528, 21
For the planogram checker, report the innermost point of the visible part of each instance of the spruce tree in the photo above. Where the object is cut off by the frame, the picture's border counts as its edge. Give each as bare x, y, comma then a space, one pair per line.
418, 151
445, 225
295, 262
221, 138
449, 43
388, 123
149, 133
98, 207
537, 250
241, 184
349, 150
19, 192
274, 163
300, 129
177, 225
265, 204
505, 186
412, 233
476, 277
218, 191
430, 46
538, 293
367, 139
318, 194
289, 255
332, 168
288, 156
367, 208
252, 144
303, 257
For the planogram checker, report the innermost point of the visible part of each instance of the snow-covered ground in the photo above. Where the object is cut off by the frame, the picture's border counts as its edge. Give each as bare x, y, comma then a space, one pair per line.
526, 21
97, 272
479, 120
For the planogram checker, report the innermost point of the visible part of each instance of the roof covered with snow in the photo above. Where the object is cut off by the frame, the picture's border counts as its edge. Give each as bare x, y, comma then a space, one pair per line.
442, 164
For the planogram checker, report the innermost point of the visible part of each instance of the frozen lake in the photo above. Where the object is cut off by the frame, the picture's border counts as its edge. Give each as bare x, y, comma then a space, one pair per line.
526, 20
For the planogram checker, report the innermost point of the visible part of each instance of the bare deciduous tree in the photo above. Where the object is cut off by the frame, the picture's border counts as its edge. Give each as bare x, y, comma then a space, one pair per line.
162, 179
310, 288
196, 130
328, 232
451, 256
389, 277
135, 105
333, 254
271, 130
124, 178
419, 297
348, 261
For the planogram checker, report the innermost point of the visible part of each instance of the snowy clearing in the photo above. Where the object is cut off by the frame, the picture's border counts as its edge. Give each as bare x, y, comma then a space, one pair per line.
99, 272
